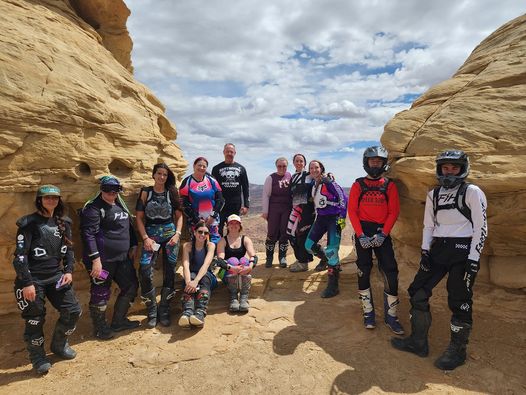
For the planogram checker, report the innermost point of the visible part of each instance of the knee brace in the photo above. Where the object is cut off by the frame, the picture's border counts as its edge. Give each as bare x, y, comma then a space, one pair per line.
420, 300
100, 294
311, 247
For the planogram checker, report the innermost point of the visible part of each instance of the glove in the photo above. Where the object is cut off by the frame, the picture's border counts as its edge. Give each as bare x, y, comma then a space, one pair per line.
425, 261
472, 268
378, 239
364, 241
341, 223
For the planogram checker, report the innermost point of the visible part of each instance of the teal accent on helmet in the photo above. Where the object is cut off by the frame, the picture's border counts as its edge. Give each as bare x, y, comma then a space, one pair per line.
48, 190
109, 180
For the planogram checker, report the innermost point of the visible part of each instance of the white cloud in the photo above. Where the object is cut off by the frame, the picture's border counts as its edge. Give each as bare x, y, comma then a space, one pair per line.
278, 78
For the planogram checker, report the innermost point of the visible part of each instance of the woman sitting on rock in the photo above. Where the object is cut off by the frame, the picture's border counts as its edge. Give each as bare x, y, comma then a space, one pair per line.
198, 278
240, 256
44, 268
159, 222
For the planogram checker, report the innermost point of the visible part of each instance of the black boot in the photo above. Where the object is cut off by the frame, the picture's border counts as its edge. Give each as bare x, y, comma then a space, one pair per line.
188, 309
269, 249
324, 261
283, 247
34, 339
332, 283
455, 354
167, 295
232, 283
120, 322
100, 327
201, 304
415, 343
65, 326
151, 308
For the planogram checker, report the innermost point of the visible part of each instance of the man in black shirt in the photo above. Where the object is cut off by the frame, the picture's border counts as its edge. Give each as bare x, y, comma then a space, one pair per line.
234, 182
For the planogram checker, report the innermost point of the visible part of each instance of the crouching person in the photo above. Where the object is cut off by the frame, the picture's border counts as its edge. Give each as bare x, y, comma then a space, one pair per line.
44, 266
240, 256
198, 277
109, 247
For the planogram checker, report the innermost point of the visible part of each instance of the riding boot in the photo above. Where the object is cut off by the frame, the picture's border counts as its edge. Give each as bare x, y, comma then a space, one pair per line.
151, 308
319, 253
167, 295
232, 282
455, 354
37, 355
332, 283
269, 249
390, 317
283, 247
201, 304
100, 327
120, 322
416, 343
366, 297
64, 327
246, 281
188, 305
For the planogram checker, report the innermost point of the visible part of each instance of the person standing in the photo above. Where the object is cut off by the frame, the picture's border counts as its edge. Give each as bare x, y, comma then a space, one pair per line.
301, 218
373, 210
159, 222
233, 179
455, 229
277, 204
202, 198
44, 268
109, 248
330, 204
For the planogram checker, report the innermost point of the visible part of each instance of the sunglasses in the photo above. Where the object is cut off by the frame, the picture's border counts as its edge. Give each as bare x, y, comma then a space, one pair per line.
111, 188
203, 232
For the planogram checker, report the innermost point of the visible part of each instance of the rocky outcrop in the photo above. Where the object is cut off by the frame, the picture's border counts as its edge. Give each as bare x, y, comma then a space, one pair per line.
480, 110
71, 111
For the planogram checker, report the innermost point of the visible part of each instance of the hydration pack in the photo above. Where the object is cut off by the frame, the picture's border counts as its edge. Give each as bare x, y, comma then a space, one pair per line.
459, 203
366, 188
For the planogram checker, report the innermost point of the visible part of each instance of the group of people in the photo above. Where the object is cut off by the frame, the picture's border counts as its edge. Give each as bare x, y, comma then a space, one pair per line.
299, 209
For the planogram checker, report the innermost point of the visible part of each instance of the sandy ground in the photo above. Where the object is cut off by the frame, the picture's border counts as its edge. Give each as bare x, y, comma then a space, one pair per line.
291, 342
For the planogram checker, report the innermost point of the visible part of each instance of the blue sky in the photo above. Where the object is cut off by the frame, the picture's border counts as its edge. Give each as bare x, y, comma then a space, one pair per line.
321, 78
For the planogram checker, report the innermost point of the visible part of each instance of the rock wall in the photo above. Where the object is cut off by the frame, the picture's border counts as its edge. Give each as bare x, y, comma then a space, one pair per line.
71, 112
481, 110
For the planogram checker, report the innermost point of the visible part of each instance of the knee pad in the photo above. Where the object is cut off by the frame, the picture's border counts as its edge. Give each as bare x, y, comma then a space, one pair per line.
100, 294
203, 295
35, 328
69, 318
420, 300
129, 292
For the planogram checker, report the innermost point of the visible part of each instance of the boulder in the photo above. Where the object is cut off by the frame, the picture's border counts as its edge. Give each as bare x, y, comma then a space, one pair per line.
480, 110
71, 112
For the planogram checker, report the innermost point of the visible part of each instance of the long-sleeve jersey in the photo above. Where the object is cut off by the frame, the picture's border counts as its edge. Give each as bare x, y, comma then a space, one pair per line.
233, 180
276, 191
452, 223
106, 231
374, 206
40, 248
300, 188
201, 199
329, 198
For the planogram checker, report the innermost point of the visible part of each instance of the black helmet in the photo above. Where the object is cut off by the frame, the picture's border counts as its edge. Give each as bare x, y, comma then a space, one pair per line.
456, 157
375, 152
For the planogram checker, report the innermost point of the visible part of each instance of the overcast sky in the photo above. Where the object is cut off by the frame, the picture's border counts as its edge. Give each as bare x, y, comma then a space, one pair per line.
317, 77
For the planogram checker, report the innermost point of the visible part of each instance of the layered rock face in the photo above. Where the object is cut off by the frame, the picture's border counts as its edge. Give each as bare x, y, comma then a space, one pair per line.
482, 111
71, 111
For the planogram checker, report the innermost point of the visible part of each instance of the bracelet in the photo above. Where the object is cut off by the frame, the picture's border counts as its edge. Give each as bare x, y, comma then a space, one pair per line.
145, 237
178, 232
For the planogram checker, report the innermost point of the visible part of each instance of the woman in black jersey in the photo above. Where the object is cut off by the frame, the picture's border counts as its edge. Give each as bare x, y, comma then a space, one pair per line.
44, 268
302, 217
240, 256
198, 277
159, 222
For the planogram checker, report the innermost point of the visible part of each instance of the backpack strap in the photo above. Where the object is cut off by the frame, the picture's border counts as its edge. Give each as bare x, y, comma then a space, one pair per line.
460, 201
365, 188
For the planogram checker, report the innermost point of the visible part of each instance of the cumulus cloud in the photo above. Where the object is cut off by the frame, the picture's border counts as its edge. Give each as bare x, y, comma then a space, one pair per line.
277, 78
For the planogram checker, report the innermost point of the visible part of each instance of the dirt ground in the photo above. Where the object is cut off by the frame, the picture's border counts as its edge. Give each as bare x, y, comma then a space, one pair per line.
290, 342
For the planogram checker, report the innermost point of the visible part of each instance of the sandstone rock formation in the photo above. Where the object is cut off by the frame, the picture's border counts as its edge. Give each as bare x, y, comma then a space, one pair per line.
480, 110
71, 111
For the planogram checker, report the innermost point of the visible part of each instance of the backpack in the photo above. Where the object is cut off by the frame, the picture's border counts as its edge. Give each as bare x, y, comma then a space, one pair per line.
459, 203
366, 188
